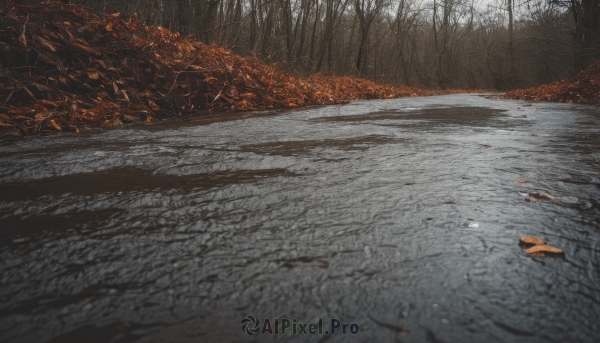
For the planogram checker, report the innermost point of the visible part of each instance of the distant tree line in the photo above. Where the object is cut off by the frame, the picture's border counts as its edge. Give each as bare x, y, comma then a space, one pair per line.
494, 44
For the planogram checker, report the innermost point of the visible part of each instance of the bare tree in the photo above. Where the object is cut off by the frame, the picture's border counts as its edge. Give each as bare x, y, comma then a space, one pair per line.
430, 43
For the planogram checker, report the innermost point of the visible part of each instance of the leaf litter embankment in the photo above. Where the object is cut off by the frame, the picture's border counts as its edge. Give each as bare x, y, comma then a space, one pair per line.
584, 89
63, 68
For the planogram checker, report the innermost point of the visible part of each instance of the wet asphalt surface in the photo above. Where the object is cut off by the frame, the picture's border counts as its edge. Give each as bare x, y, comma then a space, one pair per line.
400, 216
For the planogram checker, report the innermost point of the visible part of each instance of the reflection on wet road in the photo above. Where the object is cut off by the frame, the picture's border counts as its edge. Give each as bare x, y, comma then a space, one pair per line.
363, 212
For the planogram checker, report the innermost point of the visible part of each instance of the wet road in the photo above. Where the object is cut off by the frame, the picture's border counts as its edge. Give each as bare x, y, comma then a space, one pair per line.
400, 216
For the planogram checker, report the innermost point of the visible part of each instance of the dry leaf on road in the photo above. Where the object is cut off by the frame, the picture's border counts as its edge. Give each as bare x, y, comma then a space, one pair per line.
544, 248
530, 199
540, 195
532, 240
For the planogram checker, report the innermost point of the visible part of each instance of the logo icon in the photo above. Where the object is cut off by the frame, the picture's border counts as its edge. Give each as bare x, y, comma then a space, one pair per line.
247, 325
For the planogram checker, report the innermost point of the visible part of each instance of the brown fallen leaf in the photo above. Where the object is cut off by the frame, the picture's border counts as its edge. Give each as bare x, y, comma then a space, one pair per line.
54, 125
530, 199
544, 248
153, 105
247, 96
22, 38
541, 195
532, 240
94, 75
548, 196
22, 117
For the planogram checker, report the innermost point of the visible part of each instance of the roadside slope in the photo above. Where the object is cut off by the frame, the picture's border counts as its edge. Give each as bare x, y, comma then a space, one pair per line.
63, 68
584, 89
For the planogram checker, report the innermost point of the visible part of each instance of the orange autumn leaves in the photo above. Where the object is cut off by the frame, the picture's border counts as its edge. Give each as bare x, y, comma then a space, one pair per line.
66, 69
538, 247
585, 89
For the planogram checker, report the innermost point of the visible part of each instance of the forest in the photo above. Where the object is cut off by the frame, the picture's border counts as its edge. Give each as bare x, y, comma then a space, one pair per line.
480, 44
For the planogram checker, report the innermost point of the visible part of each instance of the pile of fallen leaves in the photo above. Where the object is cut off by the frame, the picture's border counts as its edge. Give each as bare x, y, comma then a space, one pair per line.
585, 89
63, 68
